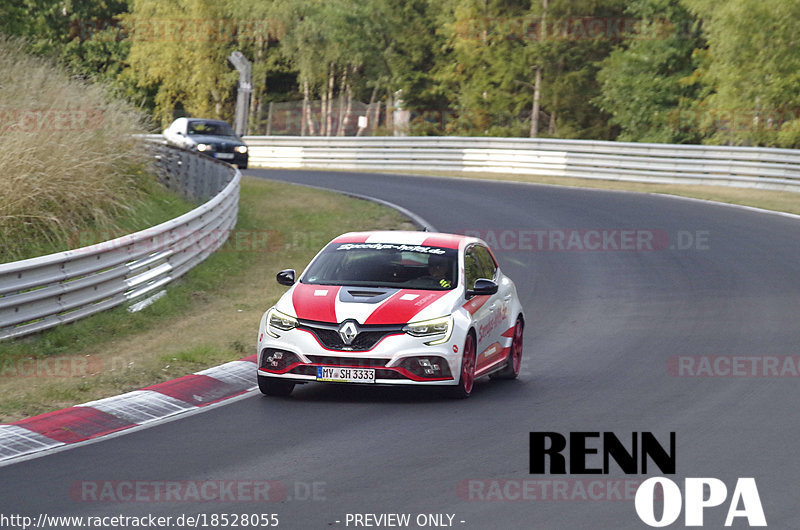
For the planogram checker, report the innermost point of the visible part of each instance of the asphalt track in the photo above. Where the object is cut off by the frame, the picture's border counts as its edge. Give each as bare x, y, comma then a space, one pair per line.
605, 329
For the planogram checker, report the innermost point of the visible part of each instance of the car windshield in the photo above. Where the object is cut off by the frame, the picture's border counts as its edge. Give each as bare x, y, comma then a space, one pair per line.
210, 128
385, 265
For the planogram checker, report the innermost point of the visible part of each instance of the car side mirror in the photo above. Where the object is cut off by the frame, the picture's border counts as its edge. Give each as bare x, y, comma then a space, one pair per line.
286, 277
482, 287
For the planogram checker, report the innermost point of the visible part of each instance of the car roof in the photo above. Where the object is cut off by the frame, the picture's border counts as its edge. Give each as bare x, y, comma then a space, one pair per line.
208, 120
404, 237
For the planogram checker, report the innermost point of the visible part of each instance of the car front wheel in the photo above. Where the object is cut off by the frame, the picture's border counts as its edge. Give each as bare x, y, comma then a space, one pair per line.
467, 379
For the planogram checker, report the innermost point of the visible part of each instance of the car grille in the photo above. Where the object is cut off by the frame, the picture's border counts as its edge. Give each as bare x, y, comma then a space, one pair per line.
367, 338
365, 362
224, 148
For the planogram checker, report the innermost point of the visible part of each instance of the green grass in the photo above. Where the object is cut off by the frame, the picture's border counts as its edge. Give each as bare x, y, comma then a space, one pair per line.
160, 205
208, 317
70, 163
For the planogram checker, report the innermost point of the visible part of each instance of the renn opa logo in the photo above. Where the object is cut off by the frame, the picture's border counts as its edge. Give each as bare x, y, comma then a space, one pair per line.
584, 457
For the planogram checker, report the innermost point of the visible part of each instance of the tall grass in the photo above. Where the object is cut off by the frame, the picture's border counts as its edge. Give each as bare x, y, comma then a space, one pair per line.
67, 158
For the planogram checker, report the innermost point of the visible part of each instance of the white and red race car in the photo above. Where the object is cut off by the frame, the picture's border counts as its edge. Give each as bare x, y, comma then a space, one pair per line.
393, 308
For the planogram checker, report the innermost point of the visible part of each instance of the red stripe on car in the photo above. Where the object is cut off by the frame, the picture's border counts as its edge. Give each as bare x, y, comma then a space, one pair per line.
443, 241
403, 306
402, 371
509, 333
476, 303
490, 365
490, 357
351, 238
315, 302
284, 370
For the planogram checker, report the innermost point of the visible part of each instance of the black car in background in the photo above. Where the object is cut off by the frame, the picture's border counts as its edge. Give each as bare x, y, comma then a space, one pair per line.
214, 138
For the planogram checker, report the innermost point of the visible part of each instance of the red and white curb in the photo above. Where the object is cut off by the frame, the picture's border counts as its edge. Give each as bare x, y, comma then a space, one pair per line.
140, 407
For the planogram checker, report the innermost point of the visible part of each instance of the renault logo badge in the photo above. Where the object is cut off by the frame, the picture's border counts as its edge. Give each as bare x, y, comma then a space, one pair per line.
348, 332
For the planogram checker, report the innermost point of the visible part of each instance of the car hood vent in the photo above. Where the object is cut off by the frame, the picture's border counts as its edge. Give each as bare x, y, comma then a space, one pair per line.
365, 295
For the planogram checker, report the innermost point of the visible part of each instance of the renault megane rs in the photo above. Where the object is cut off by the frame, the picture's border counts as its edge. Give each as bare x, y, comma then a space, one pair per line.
393, 308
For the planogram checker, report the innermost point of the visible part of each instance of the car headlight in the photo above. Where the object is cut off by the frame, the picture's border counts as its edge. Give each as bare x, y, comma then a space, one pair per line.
279, 321
441, 328
203, 147
240, 148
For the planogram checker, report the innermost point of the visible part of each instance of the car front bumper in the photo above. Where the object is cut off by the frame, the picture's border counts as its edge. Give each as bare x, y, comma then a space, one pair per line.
240, 159
397, 359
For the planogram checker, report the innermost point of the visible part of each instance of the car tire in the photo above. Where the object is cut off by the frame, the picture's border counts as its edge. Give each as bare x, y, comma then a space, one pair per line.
466, 380
511, 369
270, 386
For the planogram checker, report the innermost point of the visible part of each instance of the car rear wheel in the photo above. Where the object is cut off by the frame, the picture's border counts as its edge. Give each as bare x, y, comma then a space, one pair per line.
511, 369
274, 387
467, 379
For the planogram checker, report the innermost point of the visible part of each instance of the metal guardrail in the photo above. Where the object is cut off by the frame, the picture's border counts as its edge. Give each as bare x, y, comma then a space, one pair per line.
46, 291
751, 167
43, 292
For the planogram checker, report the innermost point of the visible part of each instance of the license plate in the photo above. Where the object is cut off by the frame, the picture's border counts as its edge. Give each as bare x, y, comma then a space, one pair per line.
345, 375
226, 156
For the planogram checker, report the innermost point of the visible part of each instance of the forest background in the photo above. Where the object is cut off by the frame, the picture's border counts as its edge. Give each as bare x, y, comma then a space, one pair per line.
675, 71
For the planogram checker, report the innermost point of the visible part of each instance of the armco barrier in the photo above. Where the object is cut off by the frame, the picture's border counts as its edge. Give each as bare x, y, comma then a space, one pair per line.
43, 292
751, 167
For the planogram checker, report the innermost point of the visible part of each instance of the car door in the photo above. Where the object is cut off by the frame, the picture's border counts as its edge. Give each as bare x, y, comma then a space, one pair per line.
488, 309
505, 294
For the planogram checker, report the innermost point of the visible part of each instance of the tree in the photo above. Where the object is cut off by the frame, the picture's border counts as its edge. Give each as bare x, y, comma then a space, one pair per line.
480, 63
752, 72
498, 50
646, 83
180, 50
258, 38
341, 49
82, 34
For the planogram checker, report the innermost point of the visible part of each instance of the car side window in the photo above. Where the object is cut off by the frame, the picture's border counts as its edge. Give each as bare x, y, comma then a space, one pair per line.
472, 268
478, 263
488, 267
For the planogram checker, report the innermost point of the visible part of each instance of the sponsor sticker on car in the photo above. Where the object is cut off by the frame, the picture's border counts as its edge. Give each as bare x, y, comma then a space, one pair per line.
345, 375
